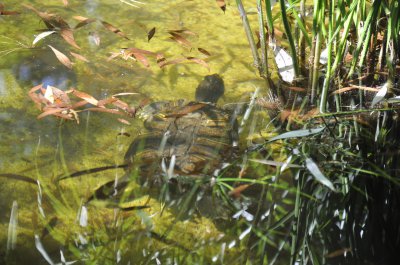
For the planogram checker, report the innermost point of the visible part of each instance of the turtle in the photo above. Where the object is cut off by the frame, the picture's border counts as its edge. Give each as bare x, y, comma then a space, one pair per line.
185, 140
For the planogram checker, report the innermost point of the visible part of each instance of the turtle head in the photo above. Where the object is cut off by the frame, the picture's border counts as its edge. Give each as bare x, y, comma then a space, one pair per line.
210, 89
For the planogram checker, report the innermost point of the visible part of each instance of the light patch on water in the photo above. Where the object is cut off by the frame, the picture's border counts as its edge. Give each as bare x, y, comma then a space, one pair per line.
42, 251
12, 227
83, 219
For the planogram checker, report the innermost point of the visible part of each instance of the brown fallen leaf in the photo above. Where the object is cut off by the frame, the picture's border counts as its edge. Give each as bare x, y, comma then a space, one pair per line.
151, 33
161, 60
203, 51
84, 21
180, 39
124, 134
61, 98
141, 58
61, 57
51, 111
68, 36
113, 29
79, 57
7, 13
112, 111
85, 96
182, 31
237, 191
52, 21
221, 4
199, 61
175, 61
345, 89
124, 121
297, 89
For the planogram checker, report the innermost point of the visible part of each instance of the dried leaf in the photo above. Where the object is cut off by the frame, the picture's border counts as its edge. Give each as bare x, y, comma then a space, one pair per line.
103, 102
236, 192
204, 51
129, 51
61, 57
84, 21
114, 29
182, 31
42, 36
65, 2
113, 111
79, 57
345, 89
180, 39
7, 13
151, 33
80, 18
141, 58
221, 4
68, 36
86, 97
124, 134
60, 97
199, 61
297, 89
50, 111
161, 61
124, 121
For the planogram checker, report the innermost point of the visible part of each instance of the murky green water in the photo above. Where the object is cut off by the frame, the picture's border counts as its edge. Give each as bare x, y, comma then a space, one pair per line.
46, 148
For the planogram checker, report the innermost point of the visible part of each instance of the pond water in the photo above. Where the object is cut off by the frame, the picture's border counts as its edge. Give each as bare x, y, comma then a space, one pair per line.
49, 222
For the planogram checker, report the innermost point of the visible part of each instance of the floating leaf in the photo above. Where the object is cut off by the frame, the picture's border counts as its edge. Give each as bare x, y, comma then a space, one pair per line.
380, 95
86, 97
285, 64
7, 13
186, 110
42, 36
84, 21
49, 94
203, 51
297, 133
182, 31
141, 58
161, 61
318, 175
221, 4
68, 36
180, 39
51, 111
199, 61
151, 33
114, 29
79, 57
124, 121
61, 57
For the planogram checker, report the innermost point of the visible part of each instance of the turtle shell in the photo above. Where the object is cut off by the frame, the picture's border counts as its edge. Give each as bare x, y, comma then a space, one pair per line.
185, 139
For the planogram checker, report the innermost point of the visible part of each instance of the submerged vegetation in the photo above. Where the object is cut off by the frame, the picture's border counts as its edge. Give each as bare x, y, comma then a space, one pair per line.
303, 170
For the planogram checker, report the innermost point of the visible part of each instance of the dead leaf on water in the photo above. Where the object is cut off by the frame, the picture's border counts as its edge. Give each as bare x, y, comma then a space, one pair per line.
114, 29
83, 21
86, 97
68, 36
6, 12
61, 57
124, 121
180, 39
221, 4
199, 61
203, 51
79, 57
151, 33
